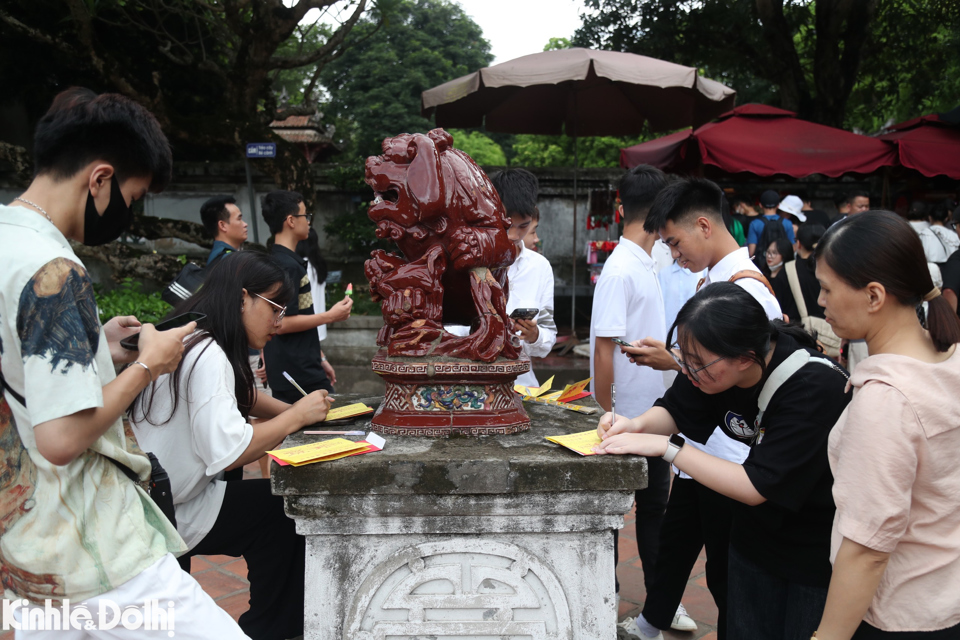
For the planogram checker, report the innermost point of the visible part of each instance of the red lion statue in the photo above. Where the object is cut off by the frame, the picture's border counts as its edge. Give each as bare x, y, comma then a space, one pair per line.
443, 213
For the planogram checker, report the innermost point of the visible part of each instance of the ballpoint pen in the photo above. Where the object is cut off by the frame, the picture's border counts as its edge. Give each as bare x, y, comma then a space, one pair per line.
613, 403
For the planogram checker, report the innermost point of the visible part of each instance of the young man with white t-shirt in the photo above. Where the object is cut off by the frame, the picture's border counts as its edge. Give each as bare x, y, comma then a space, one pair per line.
530, 277
687, 215
628, 304
75, 525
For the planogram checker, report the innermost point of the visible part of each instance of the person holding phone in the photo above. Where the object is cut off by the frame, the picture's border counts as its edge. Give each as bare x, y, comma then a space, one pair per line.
206, 418
769, 387
530, 277
75, 526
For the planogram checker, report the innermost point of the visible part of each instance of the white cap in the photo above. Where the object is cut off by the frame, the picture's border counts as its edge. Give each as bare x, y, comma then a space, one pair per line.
794, 206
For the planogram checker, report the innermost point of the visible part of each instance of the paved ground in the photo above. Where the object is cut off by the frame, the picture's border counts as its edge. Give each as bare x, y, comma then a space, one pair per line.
224, 578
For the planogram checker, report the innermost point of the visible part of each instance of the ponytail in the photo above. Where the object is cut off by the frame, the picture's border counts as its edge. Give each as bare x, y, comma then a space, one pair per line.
942, 323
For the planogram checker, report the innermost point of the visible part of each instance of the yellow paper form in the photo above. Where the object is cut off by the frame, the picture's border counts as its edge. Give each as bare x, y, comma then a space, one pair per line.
583, 443
317, 451
573, 390
534, 391
347, 411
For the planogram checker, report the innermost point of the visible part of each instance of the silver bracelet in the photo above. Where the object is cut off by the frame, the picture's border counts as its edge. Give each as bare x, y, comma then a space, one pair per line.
149, 373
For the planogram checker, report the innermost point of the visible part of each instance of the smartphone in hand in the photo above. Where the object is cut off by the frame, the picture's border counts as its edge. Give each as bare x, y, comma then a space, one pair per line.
621, 342
524, 314
133, 342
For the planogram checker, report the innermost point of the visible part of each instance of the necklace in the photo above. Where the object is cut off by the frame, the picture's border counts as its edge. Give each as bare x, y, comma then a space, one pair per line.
37, 207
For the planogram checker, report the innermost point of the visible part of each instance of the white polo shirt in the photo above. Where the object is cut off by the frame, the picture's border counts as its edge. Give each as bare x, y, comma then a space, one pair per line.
628, 304
531, 287
719, 444
738, 261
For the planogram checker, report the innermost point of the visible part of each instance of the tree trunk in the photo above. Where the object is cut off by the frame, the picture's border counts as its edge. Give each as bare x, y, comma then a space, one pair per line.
787, 70
842, 28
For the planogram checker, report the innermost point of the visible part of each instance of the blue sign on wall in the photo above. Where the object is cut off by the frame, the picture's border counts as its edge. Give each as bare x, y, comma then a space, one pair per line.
261, 149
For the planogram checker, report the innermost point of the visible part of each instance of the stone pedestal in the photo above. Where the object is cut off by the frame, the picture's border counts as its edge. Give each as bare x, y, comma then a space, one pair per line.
487, 538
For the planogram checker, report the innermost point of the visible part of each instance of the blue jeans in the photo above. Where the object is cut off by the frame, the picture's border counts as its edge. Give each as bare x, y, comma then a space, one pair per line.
761, 606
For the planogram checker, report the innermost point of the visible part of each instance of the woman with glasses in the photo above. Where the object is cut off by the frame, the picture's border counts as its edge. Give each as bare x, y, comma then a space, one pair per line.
778, 252
206, 418
766, 384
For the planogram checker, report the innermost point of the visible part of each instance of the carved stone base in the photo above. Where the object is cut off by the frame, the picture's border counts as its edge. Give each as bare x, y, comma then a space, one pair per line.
442, 397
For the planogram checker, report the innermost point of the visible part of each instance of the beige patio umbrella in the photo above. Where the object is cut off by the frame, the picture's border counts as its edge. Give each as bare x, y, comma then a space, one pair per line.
581, 92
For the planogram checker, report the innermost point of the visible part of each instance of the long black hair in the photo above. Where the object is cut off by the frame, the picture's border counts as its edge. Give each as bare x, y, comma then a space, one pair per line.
221, 298
882, 247
726, 320
809, 237
310, 249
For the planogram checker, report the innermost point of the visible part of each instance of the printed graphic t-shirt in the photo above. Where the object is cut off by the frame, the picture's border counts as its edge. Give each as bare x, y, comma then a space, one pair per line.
77, 530
296, 353
789, 534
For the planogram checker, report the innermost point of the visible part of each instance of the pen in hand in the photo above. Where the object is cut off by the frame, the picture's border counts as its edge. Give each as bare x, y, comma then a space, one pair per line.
613, 403
294, 383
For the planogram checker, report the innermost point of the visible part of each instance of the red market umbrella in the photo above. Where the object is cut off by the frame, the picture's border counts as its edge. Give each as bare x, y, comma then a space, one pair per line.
928, 144
580, 92
764, 141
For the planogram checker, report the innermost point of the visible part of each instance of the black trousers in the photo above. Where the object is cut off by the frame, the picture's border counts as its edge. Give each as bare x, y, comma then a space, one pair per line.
252, 524
868, 632
651, 503
766, 607
696, 517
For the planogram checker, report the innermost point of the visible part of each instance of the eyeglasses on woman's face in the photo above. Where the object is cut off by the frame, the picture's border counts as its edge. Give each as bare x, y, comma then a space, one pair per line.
279, 311
685, 368
772, 254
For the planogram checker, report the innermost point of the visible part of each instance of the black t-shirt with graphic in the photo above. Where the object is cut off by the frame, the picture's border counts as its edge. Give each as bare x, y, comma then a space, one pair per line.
296, 353
789, 534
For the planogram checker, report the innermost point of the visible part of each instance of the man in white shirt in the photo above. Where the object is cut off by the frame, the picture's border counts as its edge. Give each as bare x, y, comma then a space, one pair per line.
628, 304
530, 277
687, 215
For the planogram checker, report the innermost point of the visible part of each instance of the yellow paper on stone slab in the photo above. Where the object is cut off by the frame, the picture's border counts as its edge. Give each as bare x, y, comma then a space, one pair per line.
317, 451
573, 390
583, 443
347, 411
534, 392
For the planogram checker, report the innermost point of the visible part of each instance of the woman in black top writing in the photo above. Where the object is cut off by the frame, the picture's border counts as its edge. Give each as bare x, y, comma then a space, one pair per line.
765, 384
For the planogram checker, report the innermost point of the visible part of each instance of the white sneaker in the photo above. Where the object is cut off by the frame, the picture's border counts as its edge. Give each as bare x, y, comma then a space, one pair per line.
628, 629
682, 621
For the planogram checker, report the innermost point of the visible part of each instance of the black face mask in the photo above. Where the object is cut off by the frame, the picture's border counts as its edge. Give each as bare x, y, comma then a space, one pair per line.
101, 229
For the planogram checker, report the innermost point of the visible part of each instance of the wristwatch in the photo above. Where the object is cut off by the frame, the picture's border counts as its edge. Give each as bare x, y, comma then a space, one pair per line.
674, 445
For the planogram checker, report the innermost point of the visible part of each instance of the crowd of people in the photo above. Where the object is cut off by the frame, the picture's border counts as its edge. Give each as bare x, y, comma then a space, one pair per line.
821, 494
826, 497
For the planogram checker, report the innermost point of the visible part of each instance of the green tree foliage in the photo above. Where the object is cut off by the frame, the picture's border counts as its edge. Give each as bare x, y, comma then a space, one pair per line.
204, 68
484, 151
377, 83
854, 63
557, 151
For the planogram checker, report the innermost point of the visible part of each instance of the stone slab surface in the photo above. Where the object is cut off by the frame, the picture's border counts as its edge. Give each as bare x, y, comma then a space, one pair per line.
459, 465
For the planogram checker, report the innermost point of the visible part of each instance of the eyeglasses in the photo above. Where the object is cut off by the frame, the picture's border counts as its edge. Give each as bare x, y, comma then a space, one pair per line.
772, 254
283, 310
308, 216
686, 368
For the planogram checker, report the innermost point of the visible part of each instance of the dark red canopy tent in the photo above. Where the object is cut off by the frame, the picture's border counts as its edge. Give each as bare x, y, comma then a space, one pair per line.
765, 141
927, 144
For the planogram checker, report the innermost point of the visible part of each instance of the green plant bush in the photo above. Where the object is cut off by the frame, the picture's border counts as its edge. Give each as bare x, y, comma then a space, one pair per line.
129, 300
